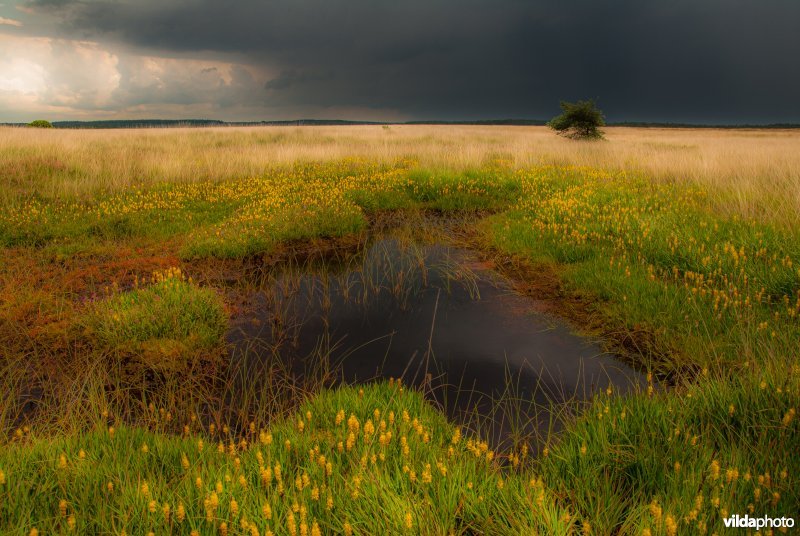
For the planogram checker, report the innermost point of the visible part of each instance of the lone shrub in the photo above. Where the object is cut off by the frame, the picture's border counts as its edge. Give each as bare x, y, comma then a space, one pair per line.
40, 123
579, 120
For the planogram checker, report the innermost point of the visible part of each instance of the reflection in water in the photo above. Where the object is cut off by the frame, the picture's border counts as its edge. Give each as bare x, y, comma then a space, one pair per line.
432, 316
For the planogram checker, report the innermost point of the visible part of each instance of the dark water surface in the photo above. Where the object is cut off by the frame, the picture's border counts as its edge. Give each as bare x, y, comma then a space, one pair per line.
435, 317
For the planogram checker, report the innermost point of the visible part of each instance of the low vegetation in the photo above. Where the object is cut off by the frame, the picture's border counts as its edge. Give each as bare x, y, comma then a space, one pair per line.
40, 123
708, 291
580, 121
168, 316
698, 286
371, 461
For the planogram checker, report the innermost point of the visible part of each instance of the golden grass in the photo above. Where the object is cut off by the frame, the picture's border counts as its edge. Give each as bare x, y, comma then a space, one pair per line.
755, 173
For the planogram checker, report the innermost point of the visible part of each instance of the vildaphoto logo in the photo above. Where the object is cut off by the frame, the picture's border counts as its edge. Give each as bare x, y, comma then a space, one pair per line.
758, 523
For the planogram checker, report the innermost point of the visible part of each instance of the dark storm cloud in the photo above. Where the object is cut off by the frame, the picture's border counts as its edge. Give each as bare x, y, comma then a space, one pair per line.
711, 60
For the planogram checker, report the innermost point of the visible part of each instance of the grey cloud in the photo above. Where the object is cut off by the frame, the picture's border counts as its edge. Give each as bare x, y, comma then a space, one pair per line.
182, 85
716, 60
290, 78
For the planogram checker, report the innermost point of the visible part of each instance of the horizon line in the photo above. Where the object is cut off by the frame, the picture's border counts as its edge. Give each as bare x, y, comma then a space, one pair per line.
204, 122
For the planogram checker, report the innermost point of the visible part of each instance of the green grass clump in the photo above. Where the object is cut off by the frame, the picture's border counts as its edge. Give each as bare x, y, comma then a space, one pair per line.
172, 314
249, 233
248, 216
471, 190
687, 459
374, 461
706, 287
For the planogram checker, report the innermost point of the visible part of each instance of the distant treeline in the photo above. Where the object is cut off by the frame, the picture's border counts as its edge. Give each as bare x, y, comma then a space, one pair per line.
162, 123
140, 123
695, 125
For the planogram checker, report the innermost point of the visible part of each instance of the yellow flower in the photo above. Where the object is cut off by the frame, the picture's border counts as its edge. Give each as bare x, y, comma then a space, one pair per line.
671, 526
731, 474
714, 469
369, 429
409, 520
353, 424
787, 419
655, 511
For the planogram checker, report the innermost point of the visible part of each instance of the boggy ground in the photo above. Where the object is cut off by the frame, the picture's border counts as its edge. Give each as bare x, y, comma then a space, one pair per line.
101, 290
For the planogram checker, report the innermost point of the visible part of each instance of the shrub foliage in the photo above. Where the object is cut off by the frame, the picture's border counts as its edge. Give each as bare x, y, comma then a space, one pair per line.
40, 123
579, 120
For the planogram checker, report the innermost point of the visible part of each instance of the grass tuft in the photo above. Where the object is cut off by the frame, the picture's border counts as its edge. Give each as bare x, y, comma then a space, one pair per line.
171, 314
343, 457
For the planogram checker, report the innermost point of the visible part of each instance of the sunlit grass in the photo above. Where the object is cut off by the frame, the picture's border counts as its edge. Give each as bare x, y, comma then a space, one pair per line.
681, 462
686, 260
169, 313
376, 460
749, 173
708, 288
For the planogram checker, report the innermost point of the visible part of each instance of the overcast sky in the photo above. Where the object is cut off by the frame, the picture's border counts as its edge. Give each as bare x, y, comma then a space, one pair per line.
713, 61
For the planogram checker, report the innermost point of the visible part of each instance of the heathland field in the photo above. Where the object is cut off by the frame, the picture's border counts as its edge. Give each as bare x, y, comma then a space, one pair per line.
124, 409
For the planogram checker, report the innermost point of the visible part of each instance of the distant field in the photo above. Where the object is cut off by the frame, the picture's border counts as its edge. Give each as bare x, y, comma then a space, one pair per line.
123, 255
750, 172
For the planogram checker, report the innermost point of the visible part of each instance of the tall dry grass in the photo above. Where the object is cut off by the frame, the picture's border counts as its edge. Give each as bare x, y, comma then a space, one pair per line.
755, 173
